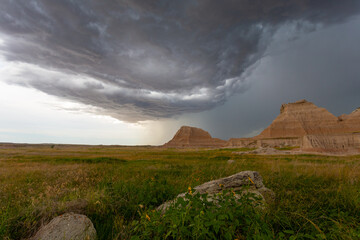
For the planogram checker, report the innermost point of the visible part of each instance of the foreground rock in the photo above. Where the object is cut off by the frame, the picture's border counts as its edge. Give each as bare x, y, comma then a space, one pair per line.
250, 179
193, 137
68, 226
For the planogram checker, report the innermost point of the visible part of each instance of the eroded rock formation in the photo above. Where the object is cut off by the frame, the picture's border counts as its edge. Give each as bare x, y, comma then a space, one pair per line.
299, 119
347, 143
351, 122
300, 124
194, 137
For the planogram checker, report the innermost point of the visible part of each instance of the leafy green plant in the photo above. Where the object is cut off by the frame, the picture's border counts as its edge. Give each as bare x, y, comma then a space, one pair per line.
227, 215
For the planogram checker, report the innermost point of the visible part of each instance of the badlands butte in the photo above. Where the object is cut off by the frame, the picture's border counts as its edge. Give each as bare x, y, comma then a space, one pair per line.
300, 127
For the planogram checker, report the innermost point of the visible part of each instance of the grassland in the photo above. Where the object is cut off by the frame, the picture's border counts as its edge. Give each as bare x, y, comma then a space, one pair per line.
318, 197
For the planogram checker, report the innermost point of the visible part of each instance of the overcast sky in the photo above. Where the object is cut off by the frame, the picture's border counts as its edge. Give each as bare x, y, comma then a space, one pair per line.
133, 72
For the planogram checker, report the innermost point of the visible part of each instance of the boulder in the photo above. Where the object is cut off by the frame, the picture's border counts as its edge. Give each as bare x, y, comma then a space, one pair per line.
251, 180
69, 226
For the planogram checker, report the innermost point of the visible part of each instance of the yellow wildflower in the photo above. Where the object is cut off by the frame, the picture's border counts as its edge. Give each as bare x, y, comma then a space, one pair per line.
147, 217
251, 180
221, 185
189, 190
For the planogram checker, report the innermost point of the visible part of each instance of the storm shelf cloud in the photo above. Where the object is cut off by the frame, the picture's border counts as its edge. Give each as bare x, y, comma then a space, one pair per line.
141, 60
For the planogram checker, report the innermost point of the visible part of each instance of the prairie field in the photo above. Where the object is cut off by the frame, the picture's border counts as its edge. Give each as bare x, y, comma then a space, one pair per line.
317, 197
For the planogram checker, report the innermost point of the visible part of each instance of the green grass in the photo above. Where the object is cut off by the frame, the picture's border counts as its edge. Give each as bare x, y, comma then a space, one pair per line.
287, 148
318, 197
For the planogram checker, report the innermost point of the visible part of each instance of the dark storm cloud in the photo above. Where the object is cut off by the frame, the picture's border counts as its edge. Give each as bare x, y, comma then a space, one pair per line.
139, 60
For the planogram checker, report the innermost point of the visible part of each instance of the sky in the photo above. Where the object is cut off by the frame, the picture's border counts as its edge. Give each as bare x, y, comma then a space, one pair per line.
133, 72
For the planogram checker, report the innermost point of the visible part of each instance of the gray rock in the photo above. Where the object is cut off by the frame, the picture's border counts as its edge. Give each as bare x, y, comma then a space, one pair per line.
231, 161
252, 180
69, 226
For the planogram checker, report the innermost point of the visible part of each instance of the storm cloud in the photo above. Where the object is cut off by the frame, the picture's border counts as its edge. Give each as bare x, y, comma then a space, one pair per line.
140, 60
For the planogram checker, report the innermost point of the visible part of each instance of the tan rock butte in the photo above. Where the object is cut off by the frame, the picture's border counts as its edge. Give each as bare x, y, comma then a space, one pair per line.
194, 137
